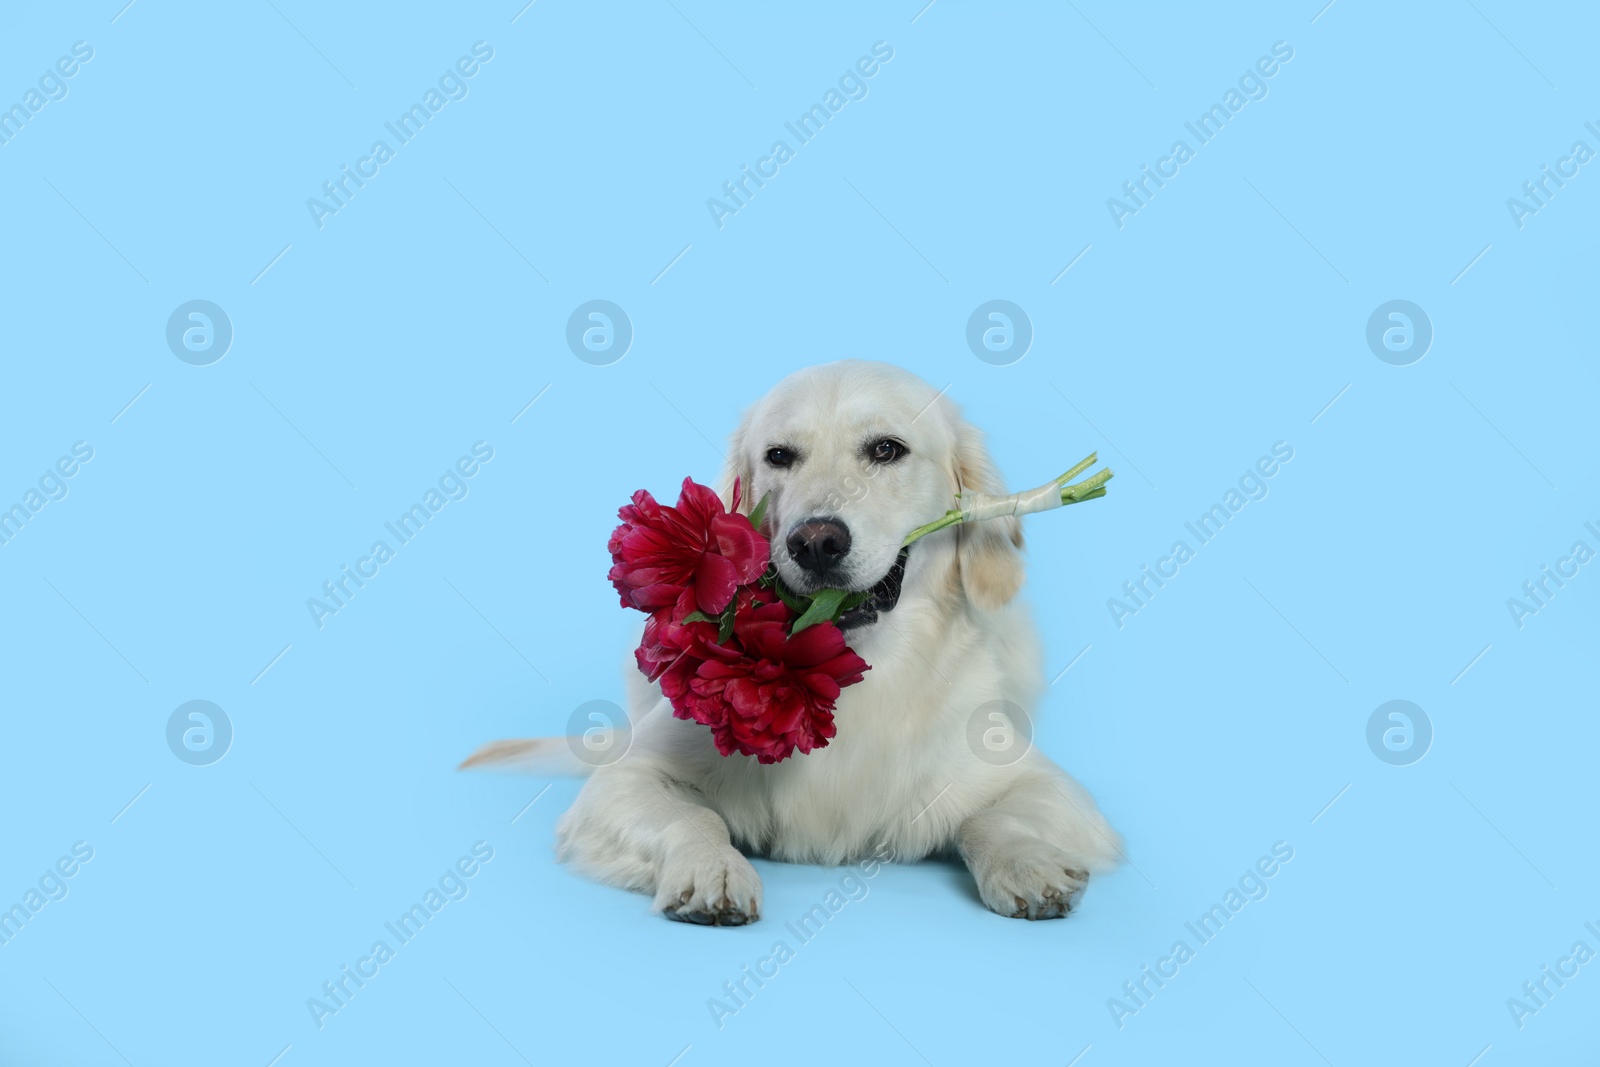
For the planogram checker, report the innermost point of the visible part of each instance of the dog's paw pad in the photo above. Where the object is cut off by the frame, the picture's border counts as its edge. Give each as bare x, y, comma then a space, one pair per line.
1043, 883
722, 891
723, 912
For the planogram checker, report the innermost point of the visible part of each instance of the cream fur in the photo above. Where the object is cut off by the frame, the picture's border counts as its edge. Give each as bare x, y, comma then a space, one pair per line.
674, 819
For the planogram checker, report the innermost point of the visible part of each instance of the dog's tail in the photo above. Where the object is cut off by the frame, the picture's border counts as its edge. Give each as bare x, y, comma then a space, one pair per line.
555, 756
571, 757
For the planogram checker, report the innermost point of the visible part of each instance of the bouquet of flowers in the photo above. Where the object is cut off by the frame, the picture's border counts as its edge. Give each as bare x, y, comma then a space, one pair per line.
730, 645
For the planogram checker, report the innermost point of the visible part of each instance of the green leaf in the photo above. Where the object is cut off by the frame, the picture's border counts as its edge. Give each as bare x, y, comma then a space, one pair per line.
854, 600
760, 512
725, 626
698, 616
824, 607
795, 602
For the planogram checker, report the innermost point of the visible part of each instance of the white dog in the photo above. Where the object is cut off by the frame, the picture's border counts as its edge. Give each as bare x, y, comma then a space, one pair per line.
932, 754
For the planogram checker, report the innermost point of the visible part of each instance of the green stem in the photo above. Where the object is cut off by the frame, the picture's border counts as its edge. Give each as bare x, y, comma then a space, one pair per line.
1079, 469
1091, 488
831, 603
949, 518
1085, 490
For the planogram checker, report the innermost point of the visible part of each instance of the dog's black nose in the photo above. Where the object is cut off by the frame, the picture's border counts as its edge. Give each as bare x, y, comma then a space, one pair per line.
819, 544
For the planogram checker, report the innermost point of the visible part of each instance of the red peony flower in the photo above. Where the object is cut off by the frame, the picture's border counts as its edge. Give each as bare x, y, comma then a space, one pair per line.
762, 691
672, 651
768, 693
695, 555
720, 638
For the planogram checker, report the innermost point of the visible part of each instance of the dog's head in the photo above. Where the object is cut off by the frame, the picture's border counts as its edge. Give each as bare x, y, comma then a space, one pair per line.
855, 456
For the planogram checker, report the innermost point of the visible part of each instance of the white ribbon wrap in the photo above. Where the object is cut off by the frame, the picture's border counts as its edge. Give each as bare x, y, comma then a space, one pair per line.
976, 507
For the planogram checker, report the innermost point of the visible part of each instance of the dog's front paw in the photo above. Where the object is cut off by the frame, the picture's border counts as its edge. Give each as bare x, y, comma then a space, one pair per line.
1033, 881
719, 888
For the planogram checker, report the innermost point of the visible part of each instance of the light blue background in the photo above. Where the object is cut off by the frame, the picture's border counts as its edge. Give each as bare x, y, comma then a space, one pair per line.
1224, 316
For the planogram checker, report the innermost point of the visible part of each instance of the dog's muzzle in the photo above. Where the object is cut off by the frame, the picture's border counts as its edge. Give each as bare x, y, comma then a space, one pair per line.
885, 595
818, 544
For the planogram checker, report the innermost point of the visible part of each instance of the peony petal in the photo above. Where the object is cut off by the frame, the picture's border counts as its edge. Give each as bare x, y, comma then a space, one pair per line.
715, 582
701, 499
813, 645
762, 692
742, 545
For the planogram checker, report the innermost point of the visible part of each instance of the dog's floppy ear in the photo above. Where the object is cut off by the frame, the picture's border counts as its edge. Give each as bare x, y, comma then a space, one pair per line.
988, 554
736, 466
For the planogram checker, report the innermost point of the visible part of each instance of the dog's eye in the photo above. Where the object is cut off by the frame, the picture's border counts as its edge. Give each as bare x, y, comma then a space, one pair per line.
780, 457
886, 451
